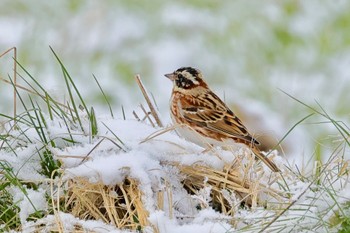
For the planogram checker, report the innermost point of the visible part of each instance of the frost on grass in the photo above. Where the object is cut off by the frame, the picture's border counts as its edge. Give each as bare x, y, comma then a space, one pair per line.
118, 181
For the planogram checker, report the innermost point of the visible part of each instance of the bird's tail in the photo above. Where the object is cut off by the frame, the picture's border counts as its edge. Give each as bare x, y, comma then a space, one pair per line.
266, 160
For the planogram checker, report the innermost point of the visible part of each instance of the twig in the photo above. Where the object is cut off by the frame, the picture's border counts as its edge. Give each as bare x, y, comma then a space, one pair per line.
150, 105
157, 133
147, 115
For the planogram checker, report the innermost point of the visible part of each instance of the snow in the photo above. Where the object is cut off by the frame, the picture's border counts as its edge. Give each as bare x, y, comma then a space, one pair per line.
29, 201
206, 222
24, 161
148, 160
69, 221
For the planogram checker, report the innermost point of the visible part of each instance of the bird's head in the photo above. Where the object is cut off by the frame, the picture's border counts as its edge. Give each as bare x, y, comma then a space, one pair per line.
187, 78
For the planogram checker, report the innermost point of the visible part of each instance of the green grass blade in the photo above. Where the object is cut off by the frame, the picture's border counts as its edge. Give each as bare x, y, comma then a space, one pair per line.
93, 123
77, 115
46, 95
104, 96
32, 120
12, 178
66, 74
38, 127
342, 130
69, 132
49, 107
18, 119
289, 131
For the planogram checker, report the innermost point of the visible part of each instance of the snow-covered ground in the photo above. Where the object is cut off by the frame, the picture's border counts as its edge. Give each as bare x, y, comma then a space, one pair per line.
136, 154
247, 50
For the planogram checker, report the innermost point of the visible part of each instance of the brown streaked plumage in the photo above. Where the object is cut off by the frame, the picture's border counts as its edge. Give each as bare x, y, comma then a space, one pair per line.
203, 113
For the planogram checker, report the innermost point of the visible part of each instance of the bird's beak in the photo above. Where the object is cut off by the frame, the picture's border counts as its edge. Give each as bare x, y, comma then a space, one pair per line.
170, 76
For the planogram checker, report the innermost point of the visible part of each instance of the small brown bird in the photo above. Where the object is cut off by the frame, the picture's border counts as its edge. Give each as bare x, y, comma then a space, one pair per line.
204, 118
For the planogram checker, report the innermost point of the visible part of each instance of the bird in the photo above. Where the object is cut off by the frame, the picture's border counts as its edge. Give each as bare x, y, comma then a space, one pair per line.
204, 119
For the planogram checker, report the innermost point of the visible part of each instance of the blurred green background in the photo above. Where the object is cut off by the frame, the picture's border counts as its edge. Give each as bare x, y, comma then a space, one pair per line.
247, 50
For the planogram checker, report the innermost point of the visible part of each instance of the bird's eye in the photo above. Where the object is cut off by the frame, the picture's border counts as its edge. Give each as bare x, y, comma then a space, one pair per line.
180, 81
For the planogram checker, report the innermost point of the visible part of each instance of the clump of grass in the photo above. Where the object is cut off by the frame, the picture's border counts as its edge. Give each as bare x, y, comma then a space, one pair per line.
119, 204
39, 108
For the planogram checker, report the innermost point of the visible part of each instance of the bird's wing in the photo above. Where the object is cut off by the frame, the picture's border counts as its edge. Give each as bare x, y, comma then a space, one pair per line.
216, 116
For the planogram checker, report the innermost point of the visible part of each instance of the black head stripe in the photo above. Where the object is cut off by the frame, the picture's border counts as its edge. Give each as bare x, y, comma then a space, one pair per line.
190, 70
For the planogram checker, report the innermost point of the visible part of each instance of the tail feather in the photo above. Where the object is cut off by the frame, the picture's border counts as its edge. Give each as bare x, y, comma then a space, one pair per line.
266, 160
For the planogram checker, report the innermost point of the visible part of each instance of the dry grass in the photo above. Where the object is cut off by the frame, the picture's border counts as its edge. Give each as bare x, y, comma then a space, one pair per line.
231, 179
122, 204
